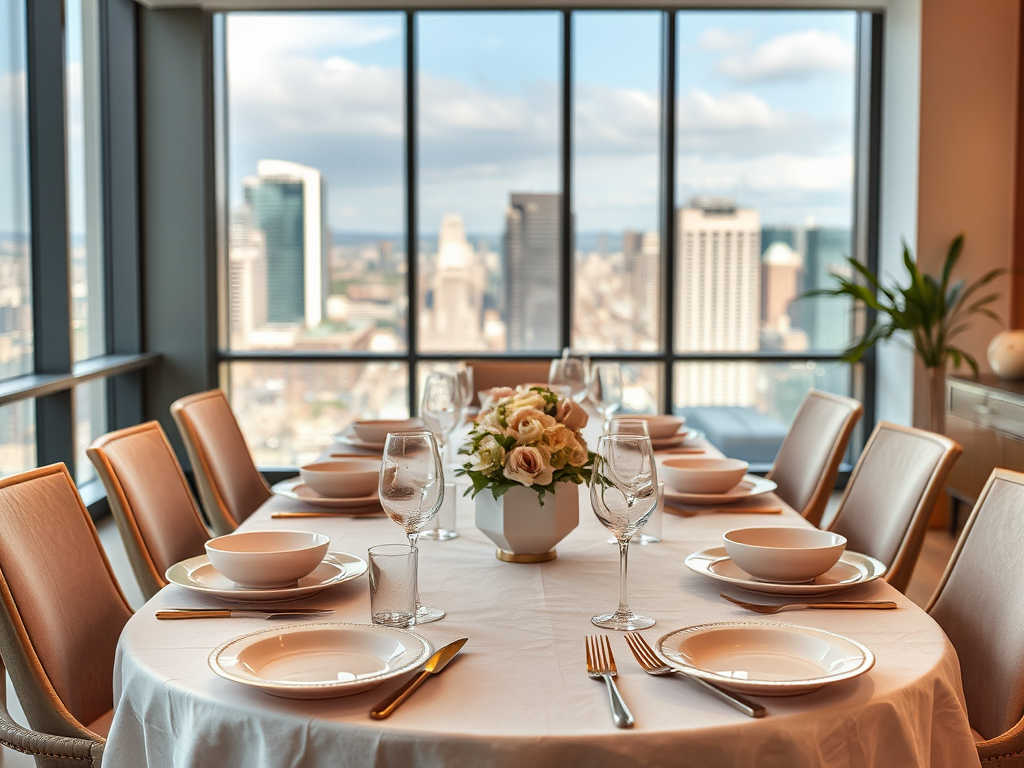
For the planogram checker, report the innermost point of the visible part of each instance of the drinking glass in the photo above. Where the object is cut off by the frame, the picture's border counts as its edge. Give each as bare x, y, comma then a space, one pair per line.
412, 490
605, 388
393, 584
626, 426
441, 404
571, 370
623, 493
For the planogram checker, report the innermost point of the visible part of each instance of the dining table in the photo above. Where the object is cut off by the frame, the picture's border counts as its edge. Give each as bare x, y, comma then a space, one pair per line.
519, 693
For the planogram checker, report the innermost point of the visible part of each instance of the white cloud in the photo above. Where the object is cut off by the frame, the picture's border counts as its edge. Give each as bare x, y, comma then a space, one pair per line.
722, 40
251, 37
615, 120
780, 171
796, 56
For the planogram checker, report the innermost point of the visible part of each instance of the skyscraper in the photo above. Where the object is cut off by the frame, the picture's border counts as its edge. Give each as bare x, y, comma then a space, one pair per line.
247, 277
718, 299
455, 320
781, 271
289, 202
532, 271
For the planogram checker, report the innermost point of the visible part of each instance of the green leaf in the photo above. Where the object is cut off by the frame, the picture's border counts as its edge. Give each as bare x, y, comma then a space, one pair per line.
955, 249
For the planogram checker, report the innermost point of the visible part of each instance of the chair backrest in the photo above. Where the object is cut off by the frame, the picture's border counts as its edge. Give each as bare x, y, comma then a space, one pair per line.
808, 461
158, 519
488, 374
980, 605
61, 609
885, 508
230, 487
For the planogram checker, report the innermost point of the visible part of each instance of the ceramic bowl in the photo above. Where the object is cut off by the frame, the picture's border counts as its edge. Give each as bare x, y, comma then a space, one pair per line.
264, 559
658, 427
784, 554
342, 478
376, 430
693, 475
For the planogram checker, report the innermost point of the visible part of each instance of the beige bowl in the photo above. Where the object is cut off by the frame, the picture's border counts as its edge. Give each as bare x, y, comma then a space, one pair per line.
658, 427
688, 475
784, 554
265, 559
342, 478
376, 430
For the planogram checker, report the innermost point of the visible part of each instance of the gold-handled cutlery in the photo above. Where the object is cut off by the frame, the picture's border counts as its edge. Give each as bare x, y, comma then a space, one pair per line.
434, 665
229, 613
601, 666
842, 604
722, 510
652, 665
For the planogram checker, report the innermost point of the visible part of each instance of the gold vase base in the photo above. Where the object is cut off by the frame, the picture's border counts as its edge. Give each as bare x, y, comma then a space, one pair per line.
512, 557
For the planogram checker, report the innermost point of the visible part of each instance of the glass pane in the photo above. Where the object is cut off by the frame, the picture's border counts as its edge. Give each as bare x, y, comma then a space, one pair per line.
315, 150
17, 437
90, 423
15, 245
745, 408
289, 411
617, 112
489, 200
641, 387
85, 192
764, 178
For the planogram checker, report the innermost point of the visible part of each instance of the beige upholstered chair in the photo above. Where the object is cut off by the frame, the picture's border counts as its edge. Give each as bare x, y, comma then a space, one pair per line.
980, 606
488, 374
61, 612
230, 487
808, 461
885, 509
158, 519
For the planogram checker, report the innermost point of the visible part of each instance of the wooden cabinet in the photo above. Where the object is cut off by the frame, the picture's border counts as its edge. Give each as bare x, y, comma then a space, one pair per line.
987, 418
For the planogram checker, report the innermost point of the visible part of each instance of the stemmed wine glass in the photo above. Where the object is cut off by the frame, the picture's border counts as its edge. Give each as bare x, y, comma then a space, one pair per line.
411, 490
605, 388
571, 370
623, 493
627, 426
464, 378
441, 405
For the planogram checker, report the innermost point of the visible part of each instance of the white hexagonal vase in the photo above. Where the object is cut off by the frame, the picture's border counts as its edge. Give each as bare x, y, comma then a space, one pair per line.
524, 531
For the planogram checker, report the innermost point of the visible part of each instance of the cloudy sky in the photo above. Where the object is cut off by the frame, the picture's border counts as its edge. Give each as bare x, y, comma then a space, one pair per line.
13, 149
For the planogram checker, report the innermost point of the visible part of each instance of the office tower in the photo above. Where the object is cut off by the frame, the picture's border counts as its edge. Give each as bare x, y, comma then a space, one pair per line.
532, 271
718, 299
642, 256
458, 282
826, 320
781, 272
247, 277
289, 204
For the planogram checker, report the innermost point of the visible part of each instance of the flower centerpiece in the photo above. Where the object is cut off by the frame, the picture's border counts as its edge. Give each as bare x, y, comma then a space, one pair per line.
525, 446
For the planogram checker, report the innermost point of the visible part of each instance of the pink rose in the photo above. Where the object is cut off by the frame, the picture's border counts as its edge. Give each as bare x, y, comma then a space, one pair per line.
572, 414
528, 466
493, 395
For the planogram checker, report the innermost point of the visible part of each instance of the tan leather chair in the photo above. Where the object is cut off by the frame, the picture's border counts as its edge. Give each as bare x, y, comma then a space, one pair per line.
488, 374
158, 519
808, 461
980, 605
885, 509
230, 487
61, 612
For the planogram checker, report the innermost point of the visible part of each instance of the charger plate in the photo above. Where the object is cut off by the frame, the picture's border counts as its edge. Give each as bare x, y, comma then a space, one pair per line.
749, 487
294, 488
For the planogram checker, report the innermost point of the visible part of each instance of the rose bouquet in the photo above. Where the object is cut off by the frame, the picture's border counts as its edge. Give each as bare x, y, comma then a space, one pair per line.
529, 437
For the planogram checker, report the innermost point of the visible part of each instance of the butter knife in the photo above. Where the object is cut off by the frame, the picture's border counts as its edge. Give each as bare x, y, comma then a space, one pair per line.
228, 613
434, 665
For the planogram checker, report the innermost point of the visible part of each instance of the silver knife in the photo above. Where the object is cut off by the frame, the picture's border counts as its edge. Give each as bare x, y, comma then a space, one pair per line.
434, 665
229, 613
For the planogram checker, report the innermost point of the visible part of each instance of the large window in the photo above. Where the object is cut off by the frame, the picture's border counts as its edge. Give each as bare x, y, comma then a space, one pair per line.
648, 186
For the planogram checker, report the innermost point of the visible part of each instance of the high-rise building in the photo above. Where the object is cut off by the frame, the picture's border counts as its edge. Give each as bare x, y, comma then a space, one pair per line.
456, 317
781, 272
718, 299
827, 320
247, 277
289, 204
532, 271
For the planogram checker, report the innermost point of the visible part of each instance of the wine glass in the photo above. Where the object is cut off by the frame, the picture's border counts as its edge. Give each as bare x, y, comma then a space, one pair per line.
571, 370
605, 388
623, 493
441, 404
411, 490
464, 378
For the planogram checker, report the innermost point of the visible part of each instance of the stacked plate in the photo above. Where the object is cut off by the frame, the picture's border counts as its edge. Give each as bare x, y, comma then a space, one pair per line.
372, 433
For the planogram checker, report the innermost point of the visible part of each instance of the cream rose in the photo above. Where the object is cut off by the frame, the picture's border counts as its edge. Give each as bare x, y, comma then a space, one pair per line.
571, 414
528, 465
529, 424
488, 456
495, 394
528, 399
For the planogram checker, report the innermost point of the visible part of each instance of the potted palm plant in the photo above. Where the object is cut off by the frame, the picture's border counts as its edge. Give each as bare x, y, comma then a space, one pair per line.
933, 311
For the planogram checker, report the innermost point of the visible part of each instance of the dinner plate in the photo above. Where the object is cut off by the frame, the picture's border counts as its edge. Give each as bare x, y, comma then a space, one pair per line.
319, 661
671, 442
852, 569
764, 658
199, 575
348, 437
749, 486
298, 490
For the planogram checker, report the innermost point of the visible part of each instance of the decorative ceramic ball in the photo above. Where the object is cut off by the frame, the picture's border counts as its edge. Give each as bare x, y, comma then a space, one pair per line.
1006, 355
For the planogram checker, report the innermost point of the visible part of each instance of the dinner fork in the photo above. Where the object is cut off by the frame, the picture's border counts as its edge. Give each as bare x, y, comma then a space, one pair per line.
601, 665
763, 608
652, 665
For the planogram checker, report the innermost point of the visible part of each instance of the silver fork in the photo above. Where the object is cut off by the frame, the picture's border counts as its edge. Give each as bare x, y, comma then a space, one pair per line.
652, 665
763, 608
601, 665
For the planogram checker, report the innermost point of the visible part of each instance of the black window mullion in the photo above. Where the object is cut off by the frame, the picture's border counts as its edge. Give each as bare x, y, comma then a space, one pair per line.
412, 251
567, 227
668, 203
48, 200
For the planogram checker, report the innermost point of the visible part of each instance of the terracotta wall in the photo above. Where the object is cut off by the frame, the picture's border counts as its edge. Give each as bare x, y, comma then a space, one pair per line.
970, 67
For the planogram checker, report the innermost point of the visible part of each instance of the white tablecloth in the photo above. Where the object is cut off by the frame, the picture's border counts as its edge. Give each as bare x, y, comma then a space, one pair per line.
518, 695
